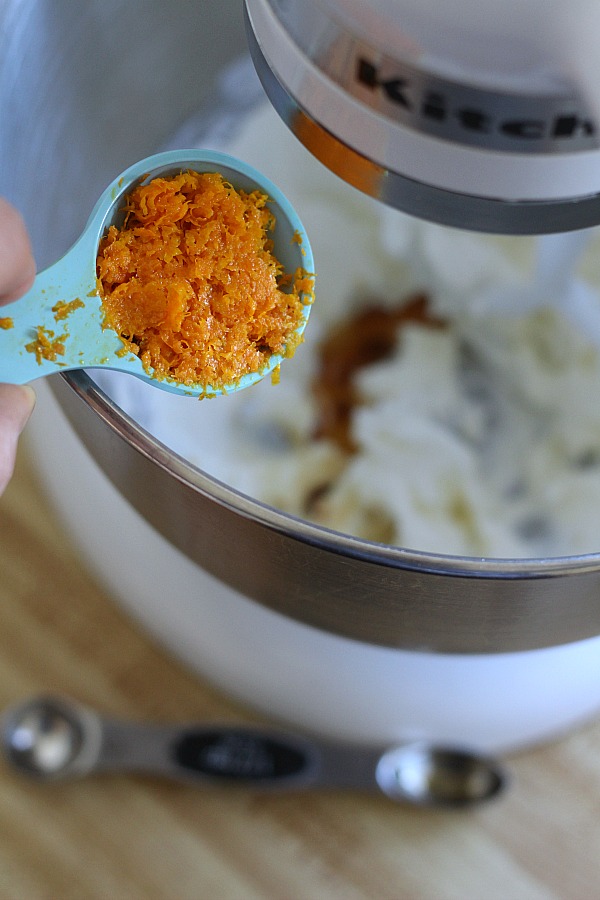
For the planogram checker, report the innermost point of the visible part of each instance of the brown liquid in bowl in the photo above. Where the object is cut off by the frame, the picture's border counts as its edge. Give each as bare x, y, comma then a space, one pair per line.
367, 337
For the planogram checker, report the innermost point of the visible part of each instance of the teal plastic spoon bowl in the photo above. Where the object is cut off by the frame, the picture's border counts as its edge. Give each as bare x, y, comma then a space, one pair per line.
87, 344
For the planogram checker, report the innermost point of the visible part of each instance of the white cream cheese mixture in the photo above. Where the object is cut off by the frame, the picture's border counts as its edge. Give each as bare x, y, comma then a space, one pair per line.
479, 438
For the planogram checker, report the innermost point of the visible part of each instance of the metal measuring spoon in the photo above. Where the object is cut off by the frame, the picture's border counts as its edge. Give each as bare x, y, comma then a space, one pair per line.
52, 739
87, 344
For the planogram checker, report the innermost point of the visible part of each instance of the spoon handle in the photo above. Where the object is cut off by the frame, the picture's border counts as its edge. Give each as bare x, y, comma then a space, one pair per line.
61, 311
217, 754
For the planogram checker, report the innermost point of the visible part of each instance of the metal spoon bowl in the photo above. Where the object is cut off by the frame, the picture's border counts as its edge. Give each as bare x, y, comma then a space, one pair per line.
87, 344
53, 739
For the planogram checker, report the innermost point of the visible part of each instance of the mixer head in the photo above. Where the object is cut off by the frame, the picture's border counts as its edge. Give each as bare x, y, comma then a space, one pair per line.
474, 114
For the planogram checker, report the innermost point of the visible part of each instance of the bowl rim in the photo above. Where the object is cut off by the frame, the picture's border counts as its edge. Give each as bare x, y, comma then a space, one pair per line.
500, 568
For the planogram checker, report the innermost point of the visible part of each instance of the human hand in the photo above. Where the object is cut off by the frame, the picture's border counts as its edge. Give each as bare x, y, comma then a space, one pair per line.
17, 271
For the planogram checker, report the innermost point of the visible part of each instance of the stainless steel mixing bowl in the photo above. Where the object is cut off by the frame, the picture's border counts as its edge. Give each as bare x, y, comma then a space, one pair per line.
370, 592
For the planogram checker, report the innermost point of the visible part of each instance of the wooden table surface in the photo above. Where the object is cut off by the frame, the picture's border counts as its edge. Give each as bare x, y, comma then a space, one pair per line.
132, 837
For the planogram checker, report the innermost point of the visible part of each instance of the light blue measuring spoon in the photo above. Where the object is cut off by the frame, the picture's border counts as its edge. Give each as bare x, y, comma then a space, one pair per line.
73, 277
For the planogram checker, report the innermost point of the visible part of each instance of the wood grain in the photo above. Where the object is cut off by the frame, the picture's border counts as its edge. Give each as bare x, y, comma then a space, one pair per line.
130, 838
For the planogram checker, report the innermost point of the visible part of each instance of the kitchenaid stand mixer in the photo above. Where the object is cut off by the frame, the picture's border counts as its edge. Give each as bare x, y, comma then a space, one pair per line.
369, 643
477, 115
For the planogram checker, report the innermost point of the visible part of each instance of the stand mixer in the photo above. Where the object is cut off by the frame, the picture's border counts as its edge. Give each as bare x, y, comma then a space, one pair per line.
477, 115
343, 637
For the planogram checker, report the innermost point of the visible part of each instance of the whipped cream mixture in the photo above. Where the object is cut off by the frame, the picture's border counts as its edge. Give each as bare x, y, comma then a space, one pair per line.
479, 438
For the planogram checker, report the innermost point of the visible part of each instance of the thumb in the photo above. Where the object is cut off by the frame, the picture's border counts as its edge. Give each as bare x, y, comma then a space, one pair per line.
17, 266
16, 405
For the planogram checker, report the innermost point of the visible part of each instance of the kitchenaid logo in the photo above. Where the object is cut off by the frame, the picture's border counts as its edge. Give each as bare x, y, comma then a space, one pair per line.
475, 116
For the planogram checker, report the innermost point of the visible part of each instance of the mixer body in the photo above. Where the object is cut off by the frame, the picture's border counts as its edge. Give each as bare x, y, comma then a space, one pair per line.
477, 115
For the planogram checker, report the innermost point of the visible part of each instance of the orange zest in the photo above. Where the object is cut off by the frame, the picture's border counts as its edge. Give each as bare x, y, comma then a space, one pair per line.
191, 285
62, 309
46, 345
